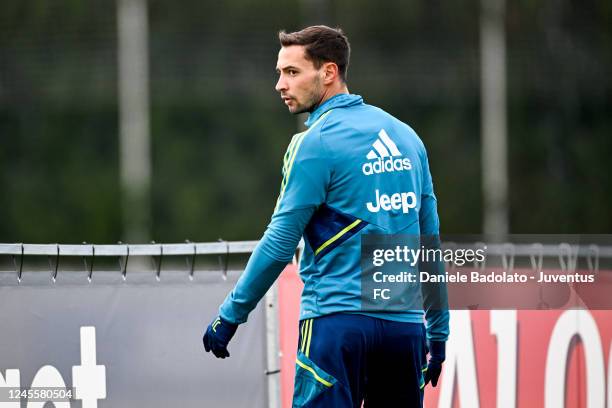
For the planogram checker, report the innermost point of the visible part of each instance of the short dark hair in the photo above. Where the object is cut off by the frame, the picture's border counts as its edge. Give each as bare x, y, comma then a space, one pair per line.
321, 44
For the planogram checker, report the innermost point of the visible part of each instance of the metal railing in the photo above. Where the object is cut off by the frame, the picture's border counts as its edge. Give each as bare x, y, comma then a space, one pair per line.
195, 248
245, 247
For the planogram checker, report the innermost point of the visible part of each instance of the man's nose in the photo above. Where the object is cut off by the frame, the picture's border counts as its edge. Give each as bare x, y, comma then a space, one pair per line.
281, 84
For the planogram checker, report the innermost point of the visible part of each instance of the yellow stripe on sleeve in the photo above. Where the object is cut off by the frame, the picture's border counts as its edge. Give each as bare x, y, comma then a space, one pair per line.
335, 237
290, 151
288, 165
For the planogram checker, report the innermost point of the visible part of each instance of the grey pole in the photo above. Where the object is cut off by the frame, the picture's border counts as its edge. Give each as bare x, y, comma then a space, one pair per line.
273, 372
493, 117
134, 146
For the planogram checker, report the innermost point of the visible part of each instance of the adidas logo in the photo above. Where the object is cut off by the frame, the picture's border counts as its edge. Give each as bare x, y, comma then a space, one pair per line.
385, 157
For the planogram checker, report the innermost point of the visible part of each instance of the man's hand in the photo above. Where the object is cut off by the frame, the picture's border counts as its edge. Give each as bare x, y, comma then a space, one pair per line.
217, 336
437, 354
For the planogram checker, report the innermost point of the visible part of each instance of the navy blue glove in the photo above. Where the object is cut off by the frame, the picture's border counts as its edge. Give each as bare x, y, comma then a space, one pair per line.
217, 336
437, 355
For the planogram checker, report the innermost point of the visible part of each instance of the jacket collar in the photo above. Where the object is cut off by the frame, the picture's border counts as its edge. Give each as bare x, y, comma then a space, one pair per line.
336, 101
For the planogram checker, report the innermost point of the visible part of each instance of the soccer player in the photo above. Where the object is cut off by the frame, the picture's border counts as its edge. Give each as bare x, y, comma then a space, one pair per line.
356, 170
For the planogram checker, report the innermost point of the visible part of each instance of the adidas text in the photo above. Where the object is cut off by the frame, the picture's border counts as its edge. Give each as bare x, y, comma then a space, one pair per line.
387, 165
396, 201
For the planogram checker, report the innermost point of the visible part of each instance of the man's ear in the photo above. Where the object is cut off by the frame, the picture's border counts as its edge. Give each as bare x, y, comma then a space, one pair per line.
330, 72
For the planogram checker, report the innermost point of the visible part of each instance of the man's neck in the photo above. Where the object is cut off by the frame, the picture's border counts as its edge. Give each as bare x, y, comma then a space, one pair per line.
331, 92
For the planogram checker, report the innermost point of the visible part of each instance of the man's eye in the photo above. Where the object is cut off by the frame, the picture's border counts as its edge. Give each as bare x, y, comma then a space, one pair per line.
292, 72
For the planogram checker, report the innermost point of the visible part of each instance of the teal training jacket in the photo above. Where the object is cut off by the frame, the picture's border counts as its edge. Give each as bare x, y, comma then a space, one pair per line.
355, 170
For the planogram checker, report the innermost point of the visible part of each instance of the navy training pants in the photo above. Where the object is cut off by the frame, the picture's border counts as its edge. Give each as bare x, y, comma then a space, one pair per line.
346, 359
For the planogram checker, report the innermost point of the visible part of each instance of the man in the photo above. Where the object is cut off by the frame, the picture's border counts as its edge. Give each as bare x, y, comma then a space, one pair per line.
356, 170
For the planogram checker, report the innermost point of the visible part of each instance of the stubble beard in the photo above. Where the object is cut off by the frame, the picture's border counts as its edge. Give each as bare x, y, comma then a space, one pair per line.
312, 100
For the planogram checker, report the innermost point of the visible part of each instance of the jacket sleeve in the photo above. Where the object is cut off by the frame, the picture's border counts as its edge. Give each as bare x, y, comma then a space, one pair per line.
435, 297
306, 176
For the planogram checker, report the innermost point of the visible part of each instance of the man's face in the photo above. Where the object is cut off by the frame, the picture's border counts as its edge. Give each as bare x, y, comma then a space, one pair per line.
299, 83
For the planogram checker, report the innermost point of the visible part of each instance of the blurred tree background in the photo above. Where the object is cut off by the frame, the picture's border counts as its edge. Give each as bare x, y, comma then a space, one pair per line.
219, 129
